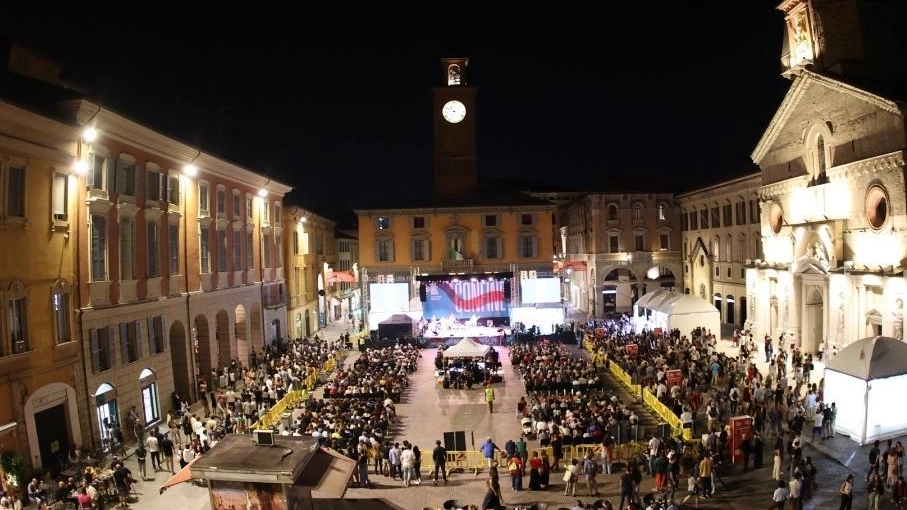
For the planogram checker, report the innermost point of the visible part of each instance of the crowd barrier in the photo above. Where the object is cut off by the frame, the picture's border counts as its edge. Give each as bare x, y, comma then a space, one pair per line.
650, 400
272, 417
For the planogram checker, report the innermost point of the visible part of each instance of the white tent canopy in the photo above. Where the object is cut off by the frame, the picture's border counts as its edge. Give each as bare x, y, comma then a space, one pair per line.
668, 310
467, 348
863, 381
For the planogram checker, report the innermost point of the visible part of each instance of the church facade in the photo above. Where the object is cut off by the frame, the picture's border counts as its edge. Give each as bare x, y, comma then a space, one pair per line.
832, 193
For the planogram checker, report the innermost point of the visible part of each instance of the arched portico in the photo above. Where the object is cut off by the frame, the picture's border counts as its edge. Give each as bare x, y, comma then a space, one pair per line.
52, 424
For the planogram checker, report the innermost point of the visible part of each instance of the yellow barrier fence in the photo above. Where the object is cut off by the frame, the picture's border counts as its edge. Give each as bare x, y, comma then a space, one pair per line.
466, 459
272, 417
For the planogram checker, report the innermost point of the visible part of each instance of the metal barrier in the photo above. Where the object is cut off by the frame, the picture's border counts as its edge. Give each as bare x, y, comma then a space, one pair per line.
272, 417
467, 459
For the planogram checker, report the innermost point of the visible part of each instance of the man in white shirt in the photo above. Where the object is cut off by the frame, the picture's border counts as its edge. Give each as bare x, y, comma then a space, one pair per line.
779, 497
153, 447
654, 444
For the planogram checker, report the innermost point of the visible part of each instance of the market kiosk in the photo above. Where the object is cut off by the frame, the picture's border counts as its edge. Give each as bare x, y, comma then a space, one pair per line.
272, 472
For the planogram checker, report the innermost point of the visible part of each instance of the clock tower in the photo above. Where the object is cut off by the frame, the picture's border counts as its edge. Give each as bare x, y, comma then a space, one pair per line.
454, 120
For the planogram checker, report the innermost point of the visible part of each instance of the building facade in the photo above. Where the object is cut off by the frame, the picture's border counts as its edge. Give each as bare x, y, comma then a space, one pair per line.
618, 247
832, 194
721, 237
316, 299
178, 268
40, 363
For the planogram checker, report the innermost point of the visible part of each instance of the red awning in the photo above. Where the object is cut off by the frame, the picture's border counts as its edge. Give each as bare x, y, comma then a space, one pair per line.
181, 476
342, 276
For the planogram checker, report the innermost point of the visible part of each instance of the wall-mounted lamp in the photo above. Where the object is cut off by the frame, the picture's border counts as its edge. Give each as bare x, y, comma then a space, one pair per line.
190, 170
89, 134
262, 192
80, 166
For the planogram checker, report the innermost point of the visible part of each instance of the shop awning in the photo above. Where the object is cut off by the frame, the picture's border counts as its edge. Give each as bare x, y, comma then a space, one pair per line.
328, 472
181, 476
342, 277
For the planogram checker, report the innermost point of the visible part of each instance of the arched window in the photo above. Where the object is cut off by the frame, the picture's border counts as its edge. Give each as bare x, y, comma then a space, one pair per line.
151, 408
637, 212
612, 212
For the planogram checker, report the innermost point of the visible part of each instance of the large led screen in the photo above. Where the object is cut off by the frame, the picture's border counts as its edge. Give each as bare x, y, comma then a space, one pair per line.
389, 297
540, 290
464, 299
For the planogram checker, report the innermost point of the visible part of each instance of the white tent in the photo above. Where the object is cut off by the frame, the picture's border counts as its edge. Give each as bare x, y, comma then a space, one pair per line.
669, 310
467, 348
865, 381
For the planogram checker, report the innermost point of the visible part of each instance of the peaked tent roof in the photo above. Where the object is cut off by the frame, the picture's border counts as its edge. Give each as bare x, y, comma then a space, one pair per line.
466, 348
871, 358
673, 303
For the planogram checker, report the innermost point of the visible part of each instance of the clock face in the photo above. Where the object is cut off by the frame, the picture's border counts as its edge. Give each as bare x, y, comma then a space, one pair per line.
453, 111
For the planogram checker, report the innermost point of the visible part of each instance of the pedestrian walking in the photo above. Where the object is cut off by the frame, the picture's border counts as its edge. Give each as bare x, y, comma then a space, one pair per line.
571, 474
845, 492
140, 455
590, 470
153, 447
876, 489
779, 497
489, 397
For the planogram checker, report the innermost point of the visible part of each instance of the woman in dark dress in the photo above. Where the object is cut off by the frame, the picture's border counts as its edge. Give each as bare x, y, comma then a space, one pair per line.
545, 472
535, 467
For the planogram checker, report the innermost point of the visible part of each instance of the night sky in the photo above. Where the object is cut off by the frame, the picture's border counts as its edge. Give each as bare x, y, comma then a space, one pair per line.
334, 98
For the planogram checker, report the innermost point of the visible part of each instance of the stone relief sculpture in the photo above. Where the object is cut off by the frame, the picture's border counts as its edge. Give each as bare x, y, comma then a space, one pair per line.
898, 319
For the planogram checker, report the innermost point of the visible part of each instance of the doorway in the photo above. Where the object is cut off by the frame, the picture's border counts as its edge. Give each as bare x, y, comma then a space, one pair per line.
53, 437
731, 316
814, 324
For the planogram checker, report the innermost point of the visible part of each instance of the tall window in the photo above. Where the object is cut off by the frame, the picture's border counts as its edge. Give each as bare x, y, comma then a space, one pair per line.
155, 186
60, 197
153, 250
60, 305
97, 171
729, 248
637, 212
156, 334
15, 191
494, 247
716, 248
662, 212
102, 348
237, 212
754, 211
127, 248
130, 333
221, 202
266, 249
385, 250
249, 249
420, 249
237, 250
204, 207
204, 249
278, 252
640, 241
726, 213
173, 248
663, 242
612, 212
295, 243
716, 219
221, 250
740, 211
613, 243
150, 404
98, 248
18, 325
528, 246
173, 189
249, 208
704, 217
125, 176
694, 220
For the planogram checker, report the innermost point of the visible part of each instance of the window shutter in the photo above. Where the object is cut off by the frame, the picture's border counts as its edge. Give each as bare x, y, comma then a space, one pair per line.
111, 173
500, 243
59, 197
163, 333
427, 249
391, 251
413, 250
124, 343
151, 336
121, 176
535, 247
111, 346
92, 161
95, 350
138, 340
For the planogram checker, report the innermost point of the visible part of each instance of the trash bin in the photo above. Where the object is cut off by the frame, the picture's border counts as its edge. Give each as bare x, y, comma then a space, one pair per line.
285, 420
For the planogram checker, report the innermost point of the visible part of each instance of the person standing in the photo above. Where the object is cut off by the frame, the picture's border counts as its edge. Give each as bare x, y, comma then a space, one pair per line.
140, 455
407, 460
795, 490
393, 458
845, 492
166, 446
417, 465
489, 397
153, 447
746, 448
873, 460
439, 457
779, 497
876, 489
495, 482
628, 489
515, 468
590, 469
571, 475
758, 447
488, 450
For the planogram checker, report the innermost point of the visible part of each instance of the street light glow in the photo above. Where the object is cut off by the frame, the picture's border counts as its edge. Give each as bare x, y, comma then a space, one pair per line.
89, 134
262, 192
190, 170
80, 166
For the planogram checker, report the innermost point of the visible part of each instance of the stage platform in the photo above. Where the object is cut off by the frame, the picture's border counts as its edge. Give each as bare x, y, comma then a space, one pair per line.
486, 335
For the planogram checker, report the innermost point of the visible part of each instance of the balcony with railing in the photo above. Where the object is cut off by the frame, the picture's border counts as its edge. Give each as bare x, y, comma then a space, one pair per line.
457, 266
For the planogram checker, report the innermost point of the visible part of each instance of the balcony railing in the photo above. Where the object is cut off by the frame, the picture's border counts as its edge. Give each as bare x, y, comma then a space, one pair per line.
456, 266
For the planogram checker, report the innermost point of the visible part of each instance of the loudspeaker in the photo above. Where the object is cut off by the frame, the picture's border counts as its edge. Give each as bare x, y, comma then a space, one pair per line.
422, 292
455, 441
321, 292
507, 289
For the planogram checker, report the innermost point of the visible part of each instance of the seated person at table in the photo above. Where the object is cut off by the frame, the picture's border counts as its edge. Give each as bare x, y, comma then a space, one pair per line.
36, 492
63, 492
